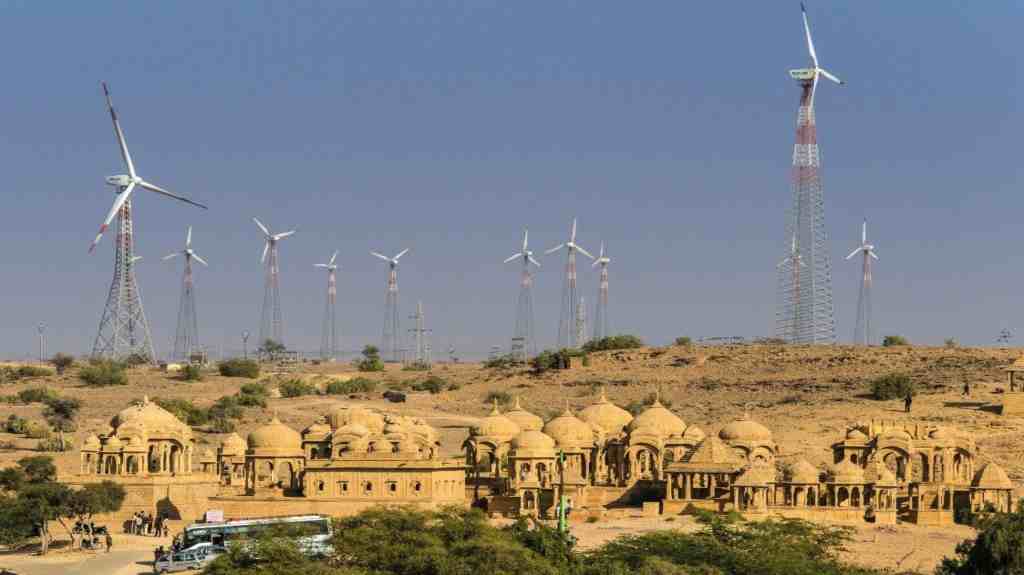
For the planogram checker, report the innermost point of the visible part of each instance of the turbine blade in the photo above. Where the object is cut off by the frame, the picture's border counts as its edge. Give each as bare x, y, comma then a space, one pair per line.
594, 265
200, 260
807, 31
829, 75
526, 235
266, 246
533, 261
381, 256
401, 253
584, 252
573, 237
513, 257
814, 89
159, 190
320, 265
188, 238
284, 235
120, 134
853, 253
263, 228
555, 249
169, 256
864, 232
333, 257
872, 254
601, 255
119, 201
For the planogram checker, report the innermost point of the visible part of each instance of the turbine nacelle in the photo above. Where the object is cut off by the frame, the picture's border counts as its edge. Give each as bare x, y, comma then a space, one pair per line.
120, 181
803, 74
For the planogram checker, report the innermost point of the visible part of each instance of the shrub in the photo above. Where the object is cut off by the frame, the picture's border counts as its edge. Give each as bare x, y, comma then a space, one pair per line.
998, 547
548, 360
454, 386
36, 430
613, 342
894, 340
239, 368
101, 373
252, 395
184, 410
433, 384
60, 412
892, 386
25, 371
16, 425
502, 362
371, 360
502, 397
416, 366
951, 343
61, 362
684, 341
355, 385
55, 444
36, 395
191, 372
296, 388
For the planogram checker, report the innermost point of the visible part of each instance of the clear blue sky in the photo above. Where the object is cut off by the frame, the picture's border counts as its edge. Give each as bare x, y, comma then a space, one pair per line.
666, 127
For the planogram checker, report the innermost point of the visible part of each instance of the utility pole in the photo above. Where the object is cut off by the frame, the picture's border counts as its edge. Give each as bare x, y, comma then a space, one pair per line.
41, 328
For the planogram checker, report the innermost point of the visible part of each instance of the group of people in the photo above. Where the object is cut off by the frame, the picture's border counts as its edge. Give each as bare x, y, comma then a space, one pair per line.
91, 535
142, 523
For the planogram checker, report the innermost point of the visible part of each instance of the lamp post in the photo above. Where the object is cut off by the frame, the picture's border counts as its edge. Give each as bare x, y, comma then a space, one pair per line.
245, 344
563, 526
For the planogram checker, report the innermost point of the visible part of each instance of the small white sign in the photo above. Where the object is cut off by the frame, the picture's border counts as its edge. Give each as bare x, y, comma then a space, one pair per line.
214, 515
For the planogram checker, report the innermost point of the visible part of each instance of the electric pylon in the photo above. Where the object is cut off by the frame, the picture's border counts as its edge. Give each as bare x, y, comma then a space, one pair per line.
124, 331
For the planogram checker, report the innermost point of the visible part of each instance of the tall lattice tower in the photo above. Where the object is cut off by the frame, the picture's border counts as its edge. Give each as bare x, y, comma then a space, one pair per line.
124, 332
329, 334
391, 344
862, 334
569, 315
805, 312
186, 337
524, 344
271, 322
601, 316
420, 338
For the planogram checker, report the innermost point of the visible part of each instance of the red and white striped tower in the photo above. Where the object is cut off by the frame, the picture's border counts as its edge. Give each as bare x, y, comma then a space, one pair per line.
391, 345
329, 334
601, 316
524, 343
569, 316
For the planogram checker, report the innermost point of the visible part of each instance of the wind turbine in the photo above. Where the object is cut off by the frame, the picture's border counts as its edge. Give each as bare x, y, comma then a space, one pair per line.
329, 337
811, 75
523, 340
567, 332
271, 327
123, 331
792, 264
186, 338
390, 343
862, 333
601, 317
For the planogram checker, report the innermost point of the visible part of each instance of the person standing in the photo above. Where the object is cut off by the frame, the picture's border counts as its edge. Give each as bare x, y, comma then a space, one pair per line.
907, 401
110, 541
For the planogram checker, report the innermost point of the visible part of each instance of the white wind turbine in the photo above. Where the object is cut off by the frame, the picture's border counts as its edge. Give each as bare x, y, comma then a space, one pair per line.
126, 183
601, 317
329, 337
812, 74
391, 337
523, 339
862, 333
186, 338
568, 320
271, 327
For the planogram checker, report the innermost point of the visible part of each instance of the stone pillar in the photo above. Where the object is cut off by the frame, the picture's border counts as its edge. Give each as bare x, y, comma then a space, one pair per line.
688, 486
711, 485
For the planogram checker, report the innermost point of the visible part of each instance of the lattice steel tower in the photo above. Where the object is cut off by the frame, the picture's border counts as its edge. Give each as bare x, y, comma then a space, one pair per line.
329, 334
124, 331
271, 323
391, 345
805, 311
569, 315
420, 338
186, 338
524, 343
601, 316
862, 334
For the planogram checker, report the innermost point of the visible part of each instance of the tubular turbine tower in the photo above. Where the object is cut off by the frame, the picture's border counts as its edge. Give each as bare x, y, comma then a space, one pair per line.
271, 324
601, 317
186, 338
124, 332
862, 333
391, 341
805, 307
524, 343
329, 337
568, 321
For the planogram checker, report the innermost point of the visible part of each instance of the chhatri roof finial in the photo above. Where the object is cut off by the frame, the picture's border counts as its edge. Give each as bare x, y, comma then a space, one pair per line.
657, 398
604, 396
495, 410
517, 406
567, 410
145, 400
274, 419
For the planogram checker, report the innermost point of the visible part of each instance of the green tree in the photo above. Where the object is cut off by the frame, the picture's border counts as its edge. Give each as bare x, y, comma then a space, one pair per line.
61, 362
38, 468
997, 549
371, 359
894, 340
613, 342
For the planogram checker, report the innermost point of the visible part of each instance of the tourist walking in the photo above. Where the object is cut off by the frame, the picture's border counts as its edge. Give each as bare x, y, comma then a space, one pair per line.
110, 541
907, 401
967, 388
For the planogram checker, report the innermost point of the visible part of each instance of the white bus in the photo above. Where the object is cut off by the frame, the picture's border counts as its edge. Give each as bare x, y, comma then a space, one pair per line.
313, 532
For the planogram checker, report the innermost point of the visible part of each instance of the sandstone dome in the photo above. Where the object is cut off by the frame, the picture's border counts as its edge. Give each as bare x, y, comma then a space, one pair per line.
150, 417
991, 476
233, 444
745, 430
694, 433
533, 443
569, 431
91, 442
365, 417
855, 434
275, 436
847, 472
524, 419
606, 415
112, 443
496, 426
803, 472
352, 429
658, 417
